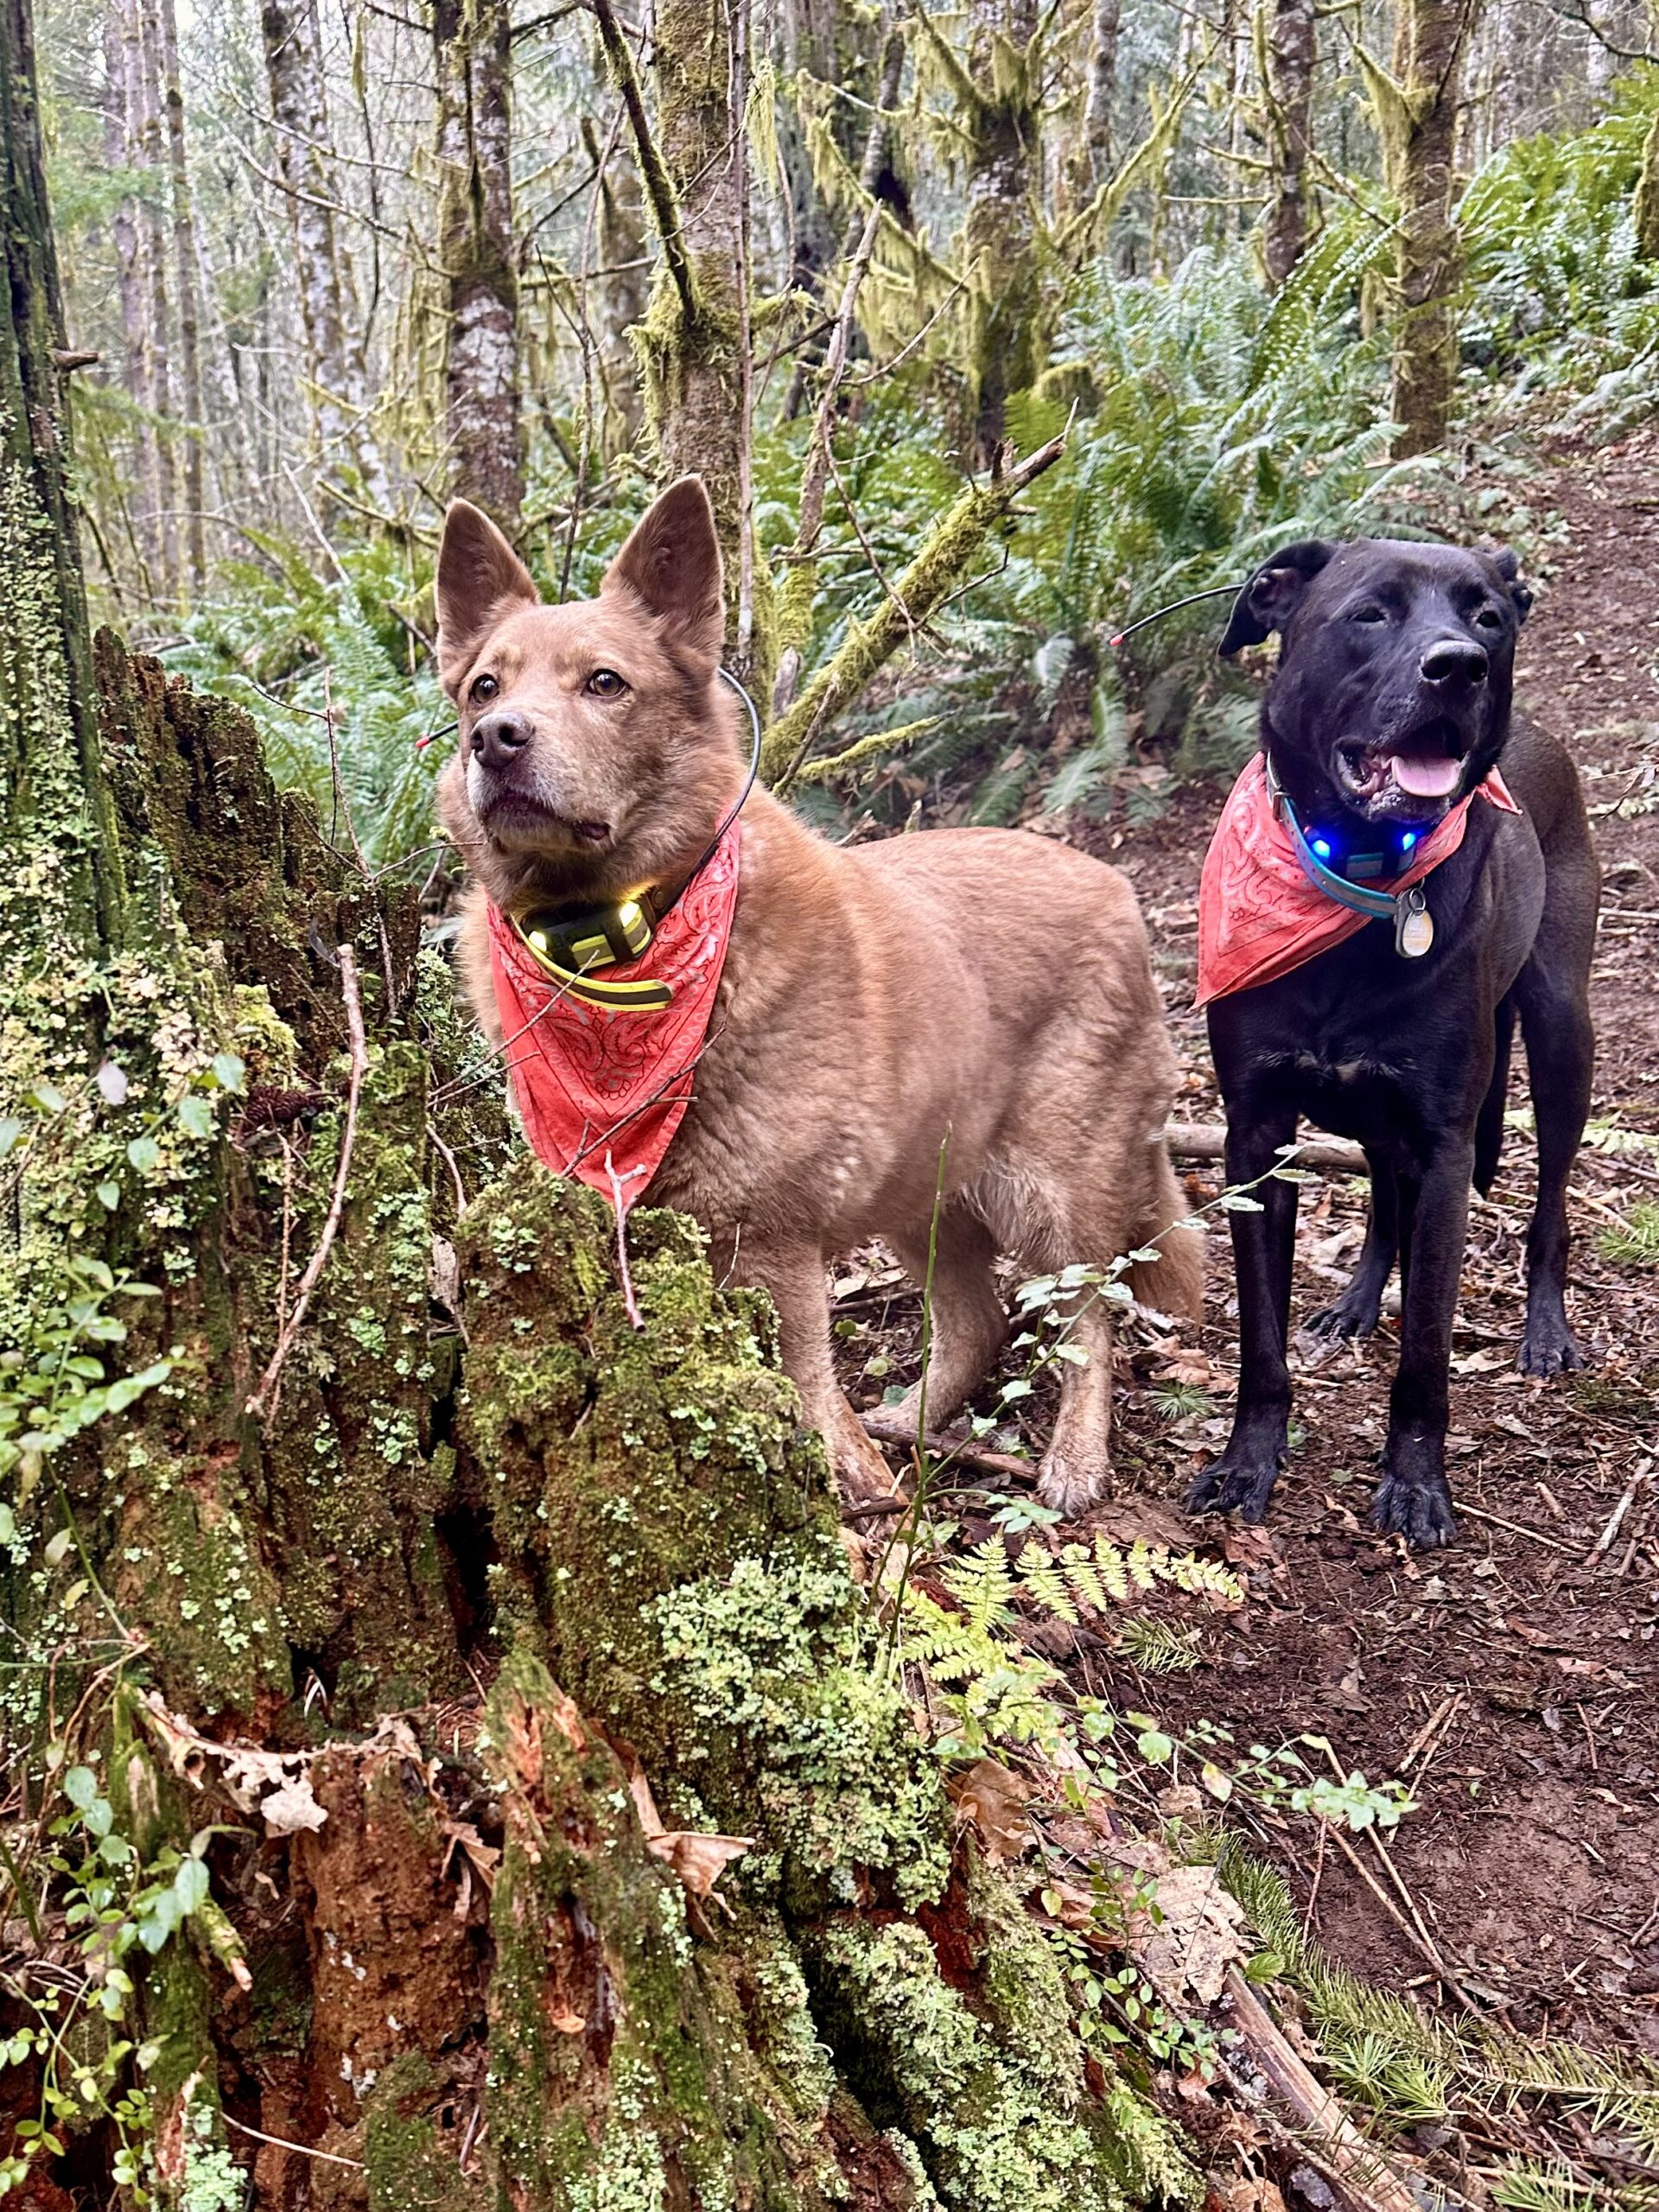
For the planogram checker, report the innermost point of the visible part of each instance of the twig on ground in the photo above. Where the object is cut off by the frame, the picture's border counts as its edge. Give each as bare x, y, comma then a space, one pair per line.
265, 1395
1357, 2166
882, 1425
1515, 1527
1642, 1475
1208, 1140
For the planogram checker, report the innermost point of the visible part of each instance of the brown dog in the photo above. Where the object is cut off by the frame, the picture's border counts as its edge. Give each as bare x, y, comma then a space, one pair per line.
978, 982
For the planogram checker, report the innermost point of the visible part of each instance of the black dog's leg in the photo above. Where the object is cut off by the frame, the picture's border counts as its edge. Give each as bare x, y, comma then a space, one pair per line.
1412, 1497
1560, 1059
1263, 1251
1488, 1129
1355, 1313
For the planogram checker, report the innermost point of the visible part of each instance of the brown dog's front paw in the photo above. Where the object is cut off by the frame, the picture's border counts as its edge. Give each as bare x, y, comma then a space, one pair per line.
1071, 1486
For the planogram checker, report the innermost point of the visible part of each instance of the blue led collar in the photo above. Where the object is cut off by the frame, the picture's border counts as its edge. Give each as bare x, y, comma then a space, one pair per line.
1376, 905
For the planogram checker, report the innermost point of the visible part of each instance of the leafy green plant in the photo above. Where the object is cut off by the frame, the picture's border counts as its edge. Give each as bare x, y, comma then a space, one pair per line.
110, 1904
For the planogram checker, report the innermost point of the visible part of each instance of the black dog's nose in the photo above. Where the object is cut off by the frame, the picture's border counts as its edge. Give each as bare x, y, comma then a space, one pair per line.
1453, 661
496, 738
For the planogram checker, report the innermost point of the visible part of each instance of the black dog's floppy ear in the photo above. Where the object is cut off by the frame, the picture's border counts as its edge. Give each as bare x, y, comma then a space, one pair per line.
1274, 592
1508, 565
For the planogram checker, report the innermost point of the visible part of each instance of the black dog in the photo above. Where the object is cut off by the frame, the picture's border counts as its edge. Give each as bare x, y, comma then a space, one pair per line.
1392, 699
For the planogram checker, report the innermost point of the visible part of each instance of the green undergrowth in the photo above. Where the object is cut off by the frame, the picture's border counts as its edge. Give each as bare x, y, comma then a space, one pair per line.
1408, 2069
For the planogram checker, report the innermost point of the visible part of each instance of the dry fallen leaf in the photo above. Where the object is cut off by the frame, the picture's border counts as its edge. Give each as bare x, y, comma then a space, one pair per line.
1195, 1938
994, 1800
699, 1860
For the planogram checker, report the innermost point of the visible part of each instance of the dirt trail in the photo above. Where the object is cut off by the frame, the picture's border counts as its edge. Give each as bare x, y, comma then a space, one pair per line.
1511, 1680
1522, 1665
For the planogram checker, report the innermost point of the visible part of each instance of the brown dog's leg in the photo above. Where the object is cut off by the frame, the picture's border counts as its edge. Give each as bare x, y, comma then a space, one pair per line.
969, 1326
1078, 1462
794, 1274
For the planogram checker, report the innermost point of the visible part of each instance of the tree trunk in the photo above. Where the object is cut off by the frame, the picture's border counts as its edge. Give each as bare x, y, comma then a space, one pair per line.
370, 1630
152, 159
1091, 158
121, 51
473, 41
1417, 107
299, 109
999, 237
185, 277
694, 346
1287, 68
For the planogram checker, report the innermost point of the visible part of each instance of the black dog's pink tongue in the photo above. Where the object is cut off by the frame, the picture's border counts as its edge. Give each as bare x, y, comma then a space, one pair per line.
1424, 779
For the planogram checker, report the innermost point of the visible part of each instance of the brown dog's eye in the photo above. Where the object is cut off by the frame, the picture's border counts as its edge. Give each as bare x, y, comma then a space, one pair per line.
484, 687
606, 683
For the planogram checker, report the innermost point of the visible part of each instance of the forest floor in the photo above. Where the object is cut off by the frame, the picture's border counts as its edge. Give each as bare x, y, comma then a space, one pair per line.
1512, 1680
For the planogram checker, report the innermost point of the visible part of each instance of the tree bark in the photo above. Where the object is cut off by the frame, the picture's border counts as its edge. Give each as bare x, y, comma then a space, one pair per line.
695, 345
299, 109
186, 265
999, 237
152, 158
1417, 107
1091, 159
442, 1652
482, 426
1287, 65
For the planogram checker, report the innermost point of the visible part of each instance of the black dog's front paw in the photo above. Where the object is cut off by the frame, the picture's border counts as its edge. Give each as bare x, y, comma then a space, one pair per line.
1241, 1481
1412, 1499
1350, 1316
1549, 1346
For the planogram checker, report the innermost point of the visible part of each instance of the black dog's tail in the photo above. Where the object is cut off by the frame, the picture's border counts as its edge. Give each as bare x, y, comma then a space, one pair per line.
1488, 1129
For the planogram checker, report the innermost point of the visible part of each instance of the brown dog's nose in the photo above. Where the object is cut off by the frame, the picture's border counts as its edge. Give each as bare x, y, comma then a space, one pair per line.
496, 737
1453, 661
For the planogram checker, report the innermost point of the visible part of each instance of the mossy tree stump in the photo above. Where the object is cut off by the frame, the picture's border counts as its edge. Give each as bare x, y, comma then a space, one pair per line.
482, 1565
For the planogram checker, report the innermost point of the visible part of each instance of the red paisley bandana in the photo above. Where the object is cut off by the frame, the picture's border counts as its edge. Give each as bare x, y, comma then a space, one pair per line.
601, 1095
1259, 917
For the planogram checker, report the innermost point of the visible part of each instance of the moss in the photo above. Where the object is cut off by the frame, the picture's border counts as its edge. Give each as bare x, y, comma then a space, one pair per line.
622, 2074
411, 2144
693, 1589
996, 2131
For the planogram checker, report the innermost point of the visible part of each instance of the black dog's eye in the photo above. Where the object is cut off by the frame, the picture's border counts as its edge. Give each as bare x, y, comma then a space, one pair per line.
606, 683
484, 687
1369, 614
1489, 618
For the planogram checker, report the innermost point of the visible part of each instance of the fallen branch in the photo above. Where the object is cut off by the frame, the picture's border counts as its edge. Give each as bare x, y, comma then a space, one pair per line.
888, 1430
930, 578
1208, 1140
266, 1393
1368, 2183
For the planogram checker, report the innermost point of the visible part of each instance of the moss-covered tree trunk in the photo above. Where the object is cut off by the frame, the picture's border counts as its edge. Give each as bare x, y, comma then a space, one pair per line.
1416, 101
1003, 117
1287, 53
449, 1620
694, 345
472, 48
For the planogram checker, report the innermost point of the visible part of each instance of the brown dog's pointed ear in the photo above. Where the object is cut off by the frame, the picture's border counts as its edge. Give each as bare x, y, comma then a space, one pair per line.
1274, 592
1508, 564
480, 579
671, 565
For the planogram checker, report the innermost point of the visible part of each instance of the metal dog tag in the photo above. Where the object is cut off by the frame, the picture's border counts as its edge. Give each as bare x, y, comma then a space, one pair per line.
1413, 926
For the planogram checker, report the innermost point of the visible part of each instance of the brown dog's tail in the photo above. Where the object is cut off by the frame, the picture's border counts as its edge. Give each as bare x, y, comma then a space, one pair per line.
1174, 1282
